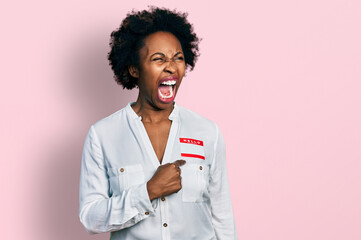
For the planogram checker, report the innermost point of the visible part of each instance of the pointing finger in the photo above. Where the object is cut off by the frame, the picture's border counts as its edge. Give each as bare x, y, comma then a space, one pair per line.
179, 163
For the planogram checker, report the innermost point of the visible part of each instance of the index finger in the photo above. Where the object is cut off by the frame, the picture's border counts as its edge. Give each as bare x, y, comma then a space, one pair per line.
179, 163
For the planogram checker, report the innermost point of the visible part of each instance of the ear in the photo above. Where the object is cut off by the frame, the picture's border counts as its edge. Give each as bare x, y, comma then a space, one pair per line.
133, 71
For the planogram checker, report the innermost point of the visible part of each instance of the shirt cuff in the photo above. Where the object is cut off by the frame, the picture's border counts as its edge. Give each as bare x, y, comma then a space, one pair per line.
142, 202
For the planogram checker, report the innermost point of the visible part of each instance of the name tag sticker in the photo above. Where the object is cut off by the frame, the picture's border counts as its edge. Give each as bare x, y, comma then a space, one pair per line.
192, 148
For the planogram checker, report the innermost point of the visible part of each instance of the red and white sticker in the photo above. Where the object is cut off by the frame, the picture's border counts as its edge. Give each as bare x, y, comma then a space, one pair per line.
192, 148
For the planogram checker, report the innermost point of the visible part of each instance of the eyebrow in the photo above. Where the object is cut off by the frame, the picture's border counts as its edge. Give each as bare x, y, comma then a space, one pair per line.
163, 54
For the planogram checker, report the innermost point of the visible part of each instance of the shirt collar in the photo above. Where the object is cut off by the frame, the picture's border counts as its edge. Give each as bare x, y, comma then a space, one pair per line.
172, 116
131, 112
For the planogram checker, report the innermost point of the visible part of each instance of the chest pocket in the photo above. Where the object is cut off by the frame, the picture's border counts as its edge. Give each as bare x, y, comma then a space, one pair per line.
195, 181
123, 178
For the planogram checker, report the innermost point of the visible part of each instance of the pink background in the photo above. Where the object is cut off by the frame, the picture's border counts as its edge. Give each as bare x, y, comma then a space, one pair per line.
281, 78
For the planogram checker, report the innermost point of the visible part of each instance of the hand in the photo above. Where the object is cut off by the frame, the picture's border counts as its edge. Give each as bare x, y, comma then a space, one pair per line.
166, 180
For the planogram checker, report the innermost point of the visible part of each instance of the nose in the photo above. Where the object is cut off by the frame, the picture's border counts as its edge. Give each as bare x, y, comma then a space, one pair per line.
170, 67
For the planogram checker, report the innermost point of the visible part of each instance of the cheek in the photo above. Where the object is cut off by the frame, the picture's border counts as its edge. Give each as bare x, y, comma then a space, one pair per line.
181, 69
154, 71
149, 76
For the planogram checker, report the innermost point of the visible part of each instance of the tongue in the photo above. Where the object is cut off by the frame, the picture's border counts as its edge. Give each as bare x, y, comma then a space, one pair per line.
165, 90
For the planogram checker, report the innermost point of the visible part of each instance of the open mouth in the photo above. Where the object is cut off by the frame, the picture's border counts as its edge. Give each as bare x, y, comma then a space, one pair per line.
166, 90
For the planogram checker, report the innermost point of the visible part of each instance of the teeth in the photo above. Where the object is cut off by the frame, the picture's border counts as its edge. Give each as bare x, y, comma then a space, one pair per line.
170, 95
169, 82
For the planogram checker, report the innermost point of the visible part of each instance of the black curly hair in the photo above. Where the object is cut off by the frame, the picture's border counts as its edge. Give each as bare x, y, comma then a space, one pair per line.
128, 39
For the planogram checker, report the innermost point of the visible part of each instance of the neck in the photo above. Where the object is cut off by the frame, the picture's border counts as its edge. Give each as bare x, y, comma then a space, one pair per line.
149, 113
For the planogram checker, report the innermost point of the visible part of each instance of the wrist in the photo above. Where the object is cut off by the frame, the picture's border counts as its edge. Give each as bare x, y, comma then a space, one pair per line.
151, 192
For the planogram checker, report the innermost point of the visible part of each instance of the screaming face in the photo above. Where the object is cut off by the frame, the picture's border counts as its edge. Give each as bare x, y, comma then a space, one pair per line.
160, 71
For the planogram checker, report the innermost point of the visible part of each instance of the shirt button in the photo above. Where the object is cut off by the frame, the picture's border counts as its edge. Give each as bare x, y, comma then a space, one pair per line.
165, 225
200, 167
121, 170
146, 213
163, 199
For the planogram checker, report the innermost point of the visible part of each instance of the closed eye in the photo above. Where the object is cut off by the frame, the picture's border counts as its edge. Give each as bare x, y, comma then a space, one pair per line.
161, 59
158, 59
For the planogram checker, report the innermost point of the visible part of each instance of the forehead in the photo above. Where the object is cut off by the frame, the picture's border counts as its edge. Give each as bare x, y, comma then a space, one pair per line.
163, 42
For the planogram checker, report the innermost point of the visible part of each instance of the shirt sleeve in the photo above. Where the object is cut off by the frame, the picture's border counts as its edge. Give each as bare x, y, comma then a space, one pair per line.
221, 205
98, 211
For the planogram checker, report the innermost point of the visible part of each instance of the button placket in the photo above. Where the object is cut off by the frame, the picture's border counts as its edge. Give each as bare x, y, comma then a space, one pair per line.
164, 218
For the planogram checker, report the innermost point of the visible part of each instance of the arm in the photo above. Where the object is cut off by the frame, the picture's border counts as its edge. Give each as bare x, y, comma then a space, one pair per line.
98, 211
221, 205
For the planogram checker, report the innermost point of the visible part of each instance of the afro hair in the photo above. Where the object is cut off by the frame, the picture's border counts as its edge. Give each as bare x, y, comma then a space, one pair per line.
129, 38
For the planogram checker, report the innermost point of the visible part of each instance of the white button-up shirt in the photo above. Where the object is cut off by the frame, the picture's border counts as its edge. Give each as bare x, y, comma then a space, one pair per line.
118, 159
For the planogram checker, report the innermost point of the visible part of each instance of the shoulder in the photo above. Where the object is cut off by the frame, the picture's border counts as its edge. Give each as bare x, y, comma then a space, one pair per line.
195, 121
111, 122
189, 115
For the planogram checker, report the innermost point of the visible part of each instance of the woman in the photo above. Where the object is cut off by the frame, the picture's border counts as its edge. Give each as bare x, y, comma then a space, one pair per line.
154, 170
